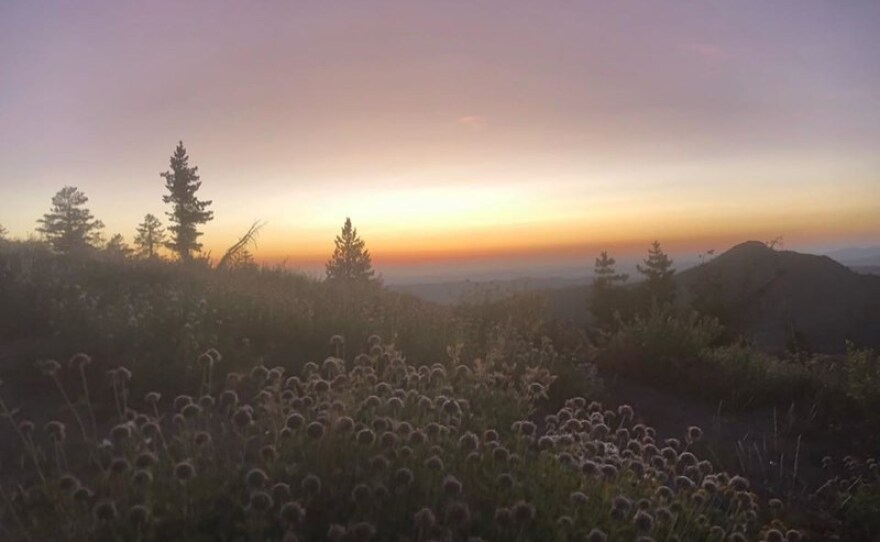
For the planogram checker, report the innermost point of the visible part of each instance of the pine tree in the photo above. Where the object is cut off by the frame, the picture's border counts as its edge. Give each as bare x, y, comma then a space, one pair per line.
117, 248
188, 212
69, 226
659, 285
608, 298
150, 236
3, 232
350, 262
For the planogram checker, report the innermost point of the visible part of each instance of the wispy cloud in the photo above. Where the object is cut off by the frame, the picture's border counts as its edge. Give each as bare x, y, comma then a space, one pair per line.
472, 122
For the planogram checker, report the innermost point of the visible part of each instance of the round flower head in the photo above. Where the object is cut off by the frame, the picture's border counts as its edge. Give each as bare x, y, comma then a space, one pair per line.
457, 514
119, 465
503, 517
597, 535
104, 510
315, 430
643, 521
292, 513
361, 494
738, 483
152, 398
424, 519
56, 431
311, 484
451, 486
181, 401
793, 536
79, 361
120, 433
261, 501
49, 367
68, 483
142, 477
184, 471
523, 512
336, 533
578, 498
434, 463
774, 535
255, 478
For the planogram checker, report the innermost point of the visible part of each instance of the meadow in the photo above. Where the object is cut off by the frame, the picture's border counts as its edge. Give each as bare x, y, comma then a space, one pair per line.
148, 400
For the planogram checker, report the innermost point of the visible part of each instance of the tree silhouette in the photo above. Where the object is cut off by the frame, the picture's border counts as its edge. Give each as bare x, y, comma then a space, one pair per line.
69, 226
659, 284
608, 298
150, 236
3, 232
188, 212
350, 261
117, 248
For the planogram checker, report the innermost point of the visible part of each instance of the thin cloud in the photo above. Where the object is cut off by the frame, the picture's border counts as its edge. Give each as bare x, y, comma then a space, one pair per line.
472, 122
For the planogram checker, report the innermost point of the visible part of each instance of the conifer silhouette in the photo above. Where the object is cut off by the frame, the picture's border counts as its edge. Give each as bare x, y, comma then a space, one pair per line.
150, 237
350, 262
188, 212
69, 227
659, 283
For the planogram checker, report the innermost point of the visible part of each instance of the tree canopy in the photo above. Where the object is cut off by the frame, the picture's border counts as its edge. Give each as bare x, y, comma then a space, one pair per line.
69, 226
659, 284
188, 212
150, 237
351, 261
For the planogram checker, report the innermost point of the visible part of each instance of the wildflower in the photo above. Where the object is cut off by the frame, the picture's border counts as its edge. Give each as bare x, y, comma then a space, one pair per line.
694, 434
119, 465
578, 498
311, 484
79, 361
260, 501
643, 521
424, 519
457, 514
434, 463
26, 427
451, 486
366, 436
104, 510
82, 494
597, 535
56, 430
181, 401
292, 513
361, 494
184, 471
48, 367
315, 430
403, 477
142, 477
152, 398
523, 512
774, 535
738, 483
139, 515
379, 463
793, 536
505, 480
68, 483
255, 478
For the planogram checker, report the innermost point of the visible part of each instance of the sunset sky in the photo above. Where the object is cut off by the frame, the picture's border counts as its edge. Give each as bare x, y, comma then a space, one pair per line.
455, 134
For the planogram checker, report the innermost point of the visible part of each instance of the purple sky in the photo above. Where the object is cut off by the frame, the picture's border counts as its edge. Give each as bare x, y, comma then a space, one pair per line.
452, 130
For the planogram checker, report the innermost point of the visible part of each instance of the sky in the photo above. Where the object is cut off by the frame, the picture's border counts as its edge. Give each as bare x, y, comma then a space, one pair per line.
459, 136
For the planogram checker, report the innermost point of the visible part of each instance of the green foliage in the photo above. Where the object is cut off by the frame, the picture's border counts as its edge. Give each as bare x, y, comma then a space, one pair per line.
862, 517
609, 302
117, 249
351, 261
659, 286
150, 237
188, 212
373, 447
69, 227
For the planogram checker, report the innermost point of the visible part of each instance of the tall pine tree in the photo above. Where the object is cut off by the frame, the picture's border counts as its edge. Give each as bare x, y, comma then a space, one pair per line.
70, 227
608, 297
188, 212
150, 237
350, 262
659, 285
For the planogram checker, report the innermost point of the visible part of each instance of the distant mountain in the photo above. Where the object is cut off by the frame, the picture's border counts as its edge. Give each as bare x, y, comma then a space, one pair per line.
450, 293
858, 256
776, 296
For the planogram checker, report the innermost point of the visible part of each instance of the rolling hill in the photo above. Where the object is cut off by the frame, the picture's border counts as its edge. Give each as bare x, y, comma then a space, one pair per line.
776, 296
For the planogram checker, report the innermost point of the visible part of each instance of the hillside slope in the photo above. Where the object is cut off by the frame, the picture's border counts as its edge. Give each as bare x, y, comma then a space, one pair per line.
775, 296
